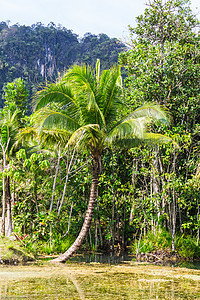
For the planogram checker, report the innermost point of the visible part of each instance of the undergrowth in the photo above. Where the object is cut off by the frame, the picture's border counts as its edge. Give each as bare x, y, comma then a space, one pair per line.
186, 246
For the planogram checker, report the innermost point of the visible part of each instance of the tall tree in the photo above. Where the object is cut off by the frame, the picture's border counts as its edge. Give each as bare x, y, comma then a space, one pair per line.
163, 60
9, 127
11, 119
92, 112
162, 63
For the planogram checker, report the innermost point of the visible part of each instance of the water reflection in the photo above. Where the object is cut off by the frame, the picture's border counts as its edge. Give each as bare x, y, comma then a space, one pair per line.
103, 258
124, 257
190, 265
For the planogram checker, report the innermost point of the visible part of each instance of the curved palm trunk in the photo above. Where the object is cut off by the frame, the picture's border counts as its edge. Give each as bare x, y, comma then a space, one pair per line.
89, 214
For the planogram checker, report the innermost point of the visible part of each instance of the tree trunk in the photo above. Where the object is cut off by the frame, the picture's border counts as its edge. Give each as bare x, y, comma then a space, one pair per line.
4, 166
9, 214
54, 181
113, 223
3, 208
89, 214
198, 222
68, 168
174, 206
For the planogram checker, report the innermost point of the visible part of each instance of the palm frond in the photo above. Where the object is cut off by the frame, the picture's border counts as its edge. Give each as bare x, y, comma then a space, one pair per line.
148, 138
157, 138
49, 119
84, 83
81, 78
90, 132
9, 127
111, 89
151, 110
98, 70
54, 137
57, 93
95, 110
132, 128
26, 135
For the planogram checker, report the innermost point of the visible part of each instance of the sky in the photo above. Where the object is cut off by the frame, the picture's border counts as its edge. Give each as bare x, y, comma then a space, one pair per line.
111, 17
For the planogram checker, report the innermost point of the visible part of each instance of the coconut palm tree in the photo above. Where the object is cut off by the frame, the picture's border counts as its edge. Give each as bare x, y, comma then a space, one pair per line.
91, 111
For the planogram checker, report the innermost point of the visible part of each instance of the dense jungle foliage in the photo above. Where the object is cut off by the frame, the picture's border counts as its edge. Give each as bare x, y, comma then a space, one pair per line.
148, 195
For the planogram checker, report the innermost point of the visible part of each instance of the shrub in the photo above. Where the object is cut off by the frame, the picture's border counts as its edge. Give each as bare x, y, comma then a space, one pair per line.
187, 247
160, 239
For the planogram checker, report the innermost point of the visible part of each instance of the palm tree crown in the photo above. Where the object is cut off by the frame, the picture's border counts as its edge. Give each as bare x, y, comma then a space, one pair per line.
89, 110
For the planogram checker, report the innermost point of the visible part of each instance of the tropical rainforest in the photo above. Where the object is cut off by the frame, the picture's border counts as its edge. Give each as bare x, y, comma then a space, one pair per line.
40, 53
100, 141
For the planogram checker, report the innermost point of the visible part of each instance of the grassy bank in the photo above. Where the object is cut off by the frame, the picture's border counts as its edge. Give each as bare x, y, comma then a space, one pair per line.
13, 252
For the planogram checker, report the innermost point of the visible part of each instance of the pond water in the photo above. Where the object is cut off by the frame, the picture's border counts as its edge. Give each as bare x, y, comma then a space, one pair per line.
103, 258
124, 257
95, 280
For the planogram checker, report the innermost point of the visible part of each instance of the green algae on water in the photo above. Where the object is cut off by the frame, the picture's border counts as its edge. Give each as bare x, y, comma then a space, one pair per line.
85, 281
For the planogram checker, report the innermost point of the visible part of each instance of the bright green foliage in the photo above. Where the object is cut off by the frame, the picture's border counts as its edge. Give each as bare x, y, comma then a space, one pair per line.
115, 199
146, 194
163, 21
158, 240
187, 247
9, 127
33, 175
12, 115
163, 65
16, 97
14, 251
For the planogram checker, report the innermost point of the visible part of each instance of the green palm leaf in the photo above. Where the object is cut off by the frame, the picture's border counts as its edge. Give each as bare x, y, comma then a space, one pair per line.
9, 127
48, 119
26, 135
112, 90
132, 128
56, 93
88, 135
84, 82
156, 138
54, 137
151, 110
